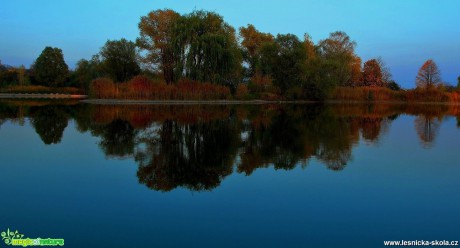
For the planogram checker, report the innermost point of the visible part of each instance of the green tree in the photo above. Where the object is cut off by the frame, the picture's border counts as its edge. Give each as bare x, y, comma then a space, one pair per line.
2, 67
209, 50
158, 39
120, 59
428, 75
87, 70
458, 83
50, 68
337, 53
289, 68
8, 75
252, 41
314, 88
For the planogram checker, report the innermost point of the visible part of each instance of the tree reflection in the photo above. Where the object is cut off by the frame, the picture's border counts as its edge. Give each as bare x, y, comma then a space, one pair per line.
297, 134
196, 147
117, 139
427, 128
196, 156
49, 123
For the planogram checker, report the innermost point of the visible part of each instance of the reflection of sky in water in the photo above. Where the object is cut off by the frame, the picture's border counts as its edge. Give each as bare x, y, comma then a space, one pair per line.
394, 189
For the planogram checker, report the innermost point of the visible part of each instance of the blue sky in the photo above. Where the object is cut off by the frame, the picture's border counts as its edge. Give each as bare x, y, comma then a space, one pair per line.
404, 33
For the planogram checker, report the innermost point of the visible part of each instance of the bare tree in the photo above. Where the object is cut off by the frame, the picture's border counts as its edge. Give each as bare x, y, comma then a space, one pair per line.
428, 75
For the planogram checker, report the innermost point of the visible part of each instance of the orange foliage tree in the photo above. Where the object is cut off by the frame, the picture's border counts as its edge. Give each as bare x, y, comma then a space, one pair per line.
372, 73
156, 37
428, 75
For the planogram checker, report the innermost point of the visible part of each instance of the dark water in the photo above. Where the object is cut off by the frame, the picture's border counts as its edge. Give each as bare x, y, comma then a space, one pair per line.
230, 176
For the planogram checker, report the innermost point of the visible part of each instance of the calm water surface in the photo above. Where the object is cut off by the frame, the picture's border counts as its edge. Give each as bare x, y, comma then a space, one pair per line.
230, 176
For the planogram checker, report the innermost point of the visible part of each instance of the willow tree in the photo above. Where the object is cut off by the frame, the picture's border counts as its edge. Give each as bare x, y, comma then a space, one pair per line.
337, 54
209, 50
428, 75
158, 39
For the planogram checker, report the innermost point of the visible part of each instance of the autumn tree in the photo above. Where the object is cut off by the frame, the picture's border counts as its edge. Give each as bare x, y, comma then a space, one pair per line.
428, 75
356, 73
252, 41
337, 53
50, 68
158, 39
372, 73
119, 59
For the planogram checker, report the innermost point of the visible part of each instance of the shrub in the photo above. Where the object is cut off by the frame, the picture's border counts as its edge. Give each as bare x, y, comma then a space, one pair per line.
103, 88
366, 94
242, 92
260, 83
427, 95
143, 88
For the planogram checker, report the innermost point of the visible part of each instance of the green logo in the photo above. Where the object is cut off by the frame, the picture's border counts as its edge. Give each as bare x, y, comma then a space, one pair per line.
17, 239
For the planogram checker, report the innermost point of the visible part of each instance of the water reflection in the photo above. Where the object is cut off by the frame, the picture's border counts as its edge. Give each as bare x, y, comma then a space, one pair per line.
49, 122
196, 147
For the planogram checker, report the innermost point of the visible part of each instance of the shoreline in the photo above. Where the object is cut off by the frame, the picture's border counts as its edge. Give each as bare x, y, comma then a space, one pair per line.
40, 96
185, 102
241, 102
85, 99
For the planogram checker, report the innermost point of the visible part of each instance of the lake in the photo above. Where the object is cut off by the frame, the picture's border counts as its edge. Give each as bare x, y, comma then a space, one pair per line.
293, 175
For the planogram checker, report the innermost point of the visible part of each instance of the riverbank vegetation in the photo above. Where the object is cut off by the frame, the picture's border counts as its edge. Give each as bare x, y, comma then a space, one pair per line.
199, 56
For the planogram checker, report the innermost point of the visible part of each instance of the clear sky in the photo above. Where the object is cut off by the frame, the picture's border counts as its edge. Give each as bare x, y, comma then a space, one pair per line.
404, 33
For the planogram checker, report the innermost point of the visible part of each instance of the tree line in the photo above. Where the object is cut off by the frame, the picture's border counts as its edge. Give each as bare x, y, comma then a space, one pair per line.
201, 47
